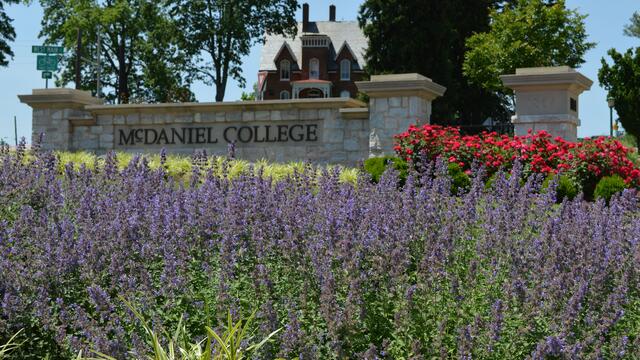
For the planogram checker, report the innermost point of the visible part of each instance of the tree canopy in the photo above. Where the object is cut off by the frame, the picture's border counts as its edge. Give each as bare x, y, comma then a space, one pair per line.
218, 33
622, 80
139, 55
7, 33
633, 29
532, 33
428, 37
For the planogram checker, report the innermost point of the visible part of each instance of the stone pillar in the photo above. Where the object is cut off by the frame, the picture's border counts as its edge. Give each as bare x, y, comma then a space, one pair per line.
54, 111
397, 101
547, 99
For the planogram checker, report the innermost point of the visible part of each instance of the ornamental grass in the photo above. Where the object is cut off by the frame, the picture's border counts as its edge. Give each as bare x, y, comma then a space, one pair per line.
373, 271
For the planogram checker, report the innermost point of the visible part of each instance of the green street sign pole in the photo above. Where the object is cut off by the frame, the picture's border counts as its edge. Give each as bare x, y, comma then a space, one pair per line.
47, 49
47, 75
47, 62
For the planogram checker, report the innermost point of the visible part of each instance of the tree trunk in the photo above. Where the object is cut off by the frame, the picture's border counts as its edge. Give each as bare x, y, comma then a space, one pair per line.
123, 84
221, 88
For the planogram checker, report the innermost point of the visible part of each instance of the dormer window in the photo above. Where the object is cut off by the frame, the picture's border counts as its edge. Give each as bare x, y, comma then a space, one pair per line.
285, 70
345, 70
314, 69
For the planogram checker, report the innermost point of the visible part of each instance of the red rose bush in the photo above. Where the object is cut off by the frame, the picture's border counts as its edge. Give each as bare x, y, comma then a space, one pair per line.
586, 161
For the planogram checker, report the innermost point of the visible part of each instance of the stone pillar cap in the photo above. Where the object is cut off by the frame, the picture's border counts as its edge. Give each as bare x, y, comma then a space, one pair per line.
59, 98
546, 78
401, 85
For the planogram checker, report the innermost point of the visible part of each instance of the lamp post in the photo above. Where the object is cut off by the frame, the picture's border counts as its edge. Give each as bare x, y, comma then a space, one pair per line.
611, 102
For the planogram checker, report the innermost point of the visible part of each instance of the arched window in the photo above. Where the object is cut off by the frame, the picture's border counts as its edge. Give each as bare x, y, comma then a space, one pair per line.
285, 70
345, 70
315, 93
284, 95
345, 94
314, 69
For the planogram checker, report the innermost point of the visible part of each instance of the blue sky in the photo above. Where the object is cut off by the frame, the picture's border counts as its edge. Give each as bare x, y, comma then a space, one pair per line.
604, 25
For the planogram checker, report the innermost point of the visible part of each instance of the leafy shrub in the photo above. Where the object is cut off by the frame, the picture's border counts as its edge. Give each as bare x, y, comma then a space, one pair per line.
459, 180
348, 272
566, 187
609, 186
378, 165
180, 167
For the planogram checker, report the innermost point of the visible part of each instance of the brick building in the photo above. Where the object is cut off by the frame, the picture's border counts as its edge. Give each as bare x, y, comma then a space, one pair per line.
324, 60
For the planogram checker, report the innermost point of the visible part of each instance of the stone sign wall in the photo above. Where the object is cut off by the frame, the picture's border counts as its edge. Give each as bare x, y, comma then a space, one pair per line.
334, 130
547, 99
275, 130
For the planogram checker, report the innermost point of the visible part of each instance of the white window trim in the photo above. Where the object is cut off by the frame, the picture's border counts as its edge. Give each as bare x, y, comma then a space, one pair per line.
342, 63
285, 92
314, 60
282, 63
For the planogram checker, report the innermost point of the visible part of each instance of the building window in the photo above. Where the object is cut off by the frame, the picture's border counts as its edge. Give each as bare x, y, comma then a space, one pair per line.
285, 70
314, 69
345, 70
284, 95
345, 94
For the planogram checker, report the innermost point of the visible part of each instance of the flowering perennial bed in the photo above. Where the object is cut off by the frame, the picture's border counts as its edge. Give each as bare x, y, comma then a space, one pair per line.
368, 271
586, 161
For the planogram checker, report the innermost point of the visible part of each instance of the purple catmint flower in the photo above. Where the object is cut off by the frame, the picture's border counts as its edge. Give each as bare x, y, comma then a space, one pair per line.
497, 322
364, 271
231, 150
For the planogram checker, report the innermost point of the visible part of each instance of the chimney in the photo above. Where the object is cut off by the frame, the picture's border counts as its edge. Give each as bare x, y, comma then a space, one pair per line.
332, 13
305, 17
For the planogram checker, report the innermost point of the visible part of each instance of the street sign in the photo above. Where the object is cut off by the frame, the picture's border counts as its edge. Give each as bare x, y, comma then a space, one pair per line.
47, 49
47, 63
47, 75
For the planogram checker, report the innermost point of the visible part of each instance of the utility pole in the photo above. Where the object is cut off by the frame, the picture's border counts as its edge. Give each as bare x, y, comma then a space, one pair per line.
98, 67
15, 129
78, 59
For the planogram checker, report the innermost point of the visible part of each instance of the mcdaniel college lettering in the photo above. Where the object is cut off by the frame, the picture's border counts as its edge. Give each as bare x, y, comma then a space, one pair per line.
212, 135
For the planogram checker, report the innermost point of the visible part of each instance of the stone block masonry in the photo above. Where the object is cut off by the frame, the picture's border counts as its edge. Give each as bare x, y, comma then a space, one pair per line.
321, 131
547, 99
397, 101
331, 130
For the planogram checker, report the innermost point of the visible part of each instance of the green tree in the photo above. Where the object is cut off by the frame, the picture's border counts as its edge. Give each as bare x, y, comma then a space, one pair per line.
622, 80
250, 96
7, 33
428, 37
140, 59
633, 29
531, 33
218, 33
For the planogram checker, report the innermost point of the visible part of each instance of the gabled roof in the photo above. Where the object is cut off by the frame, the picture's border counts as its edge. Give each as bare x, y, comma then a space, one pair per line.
338, 31
346, 46
285, 45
